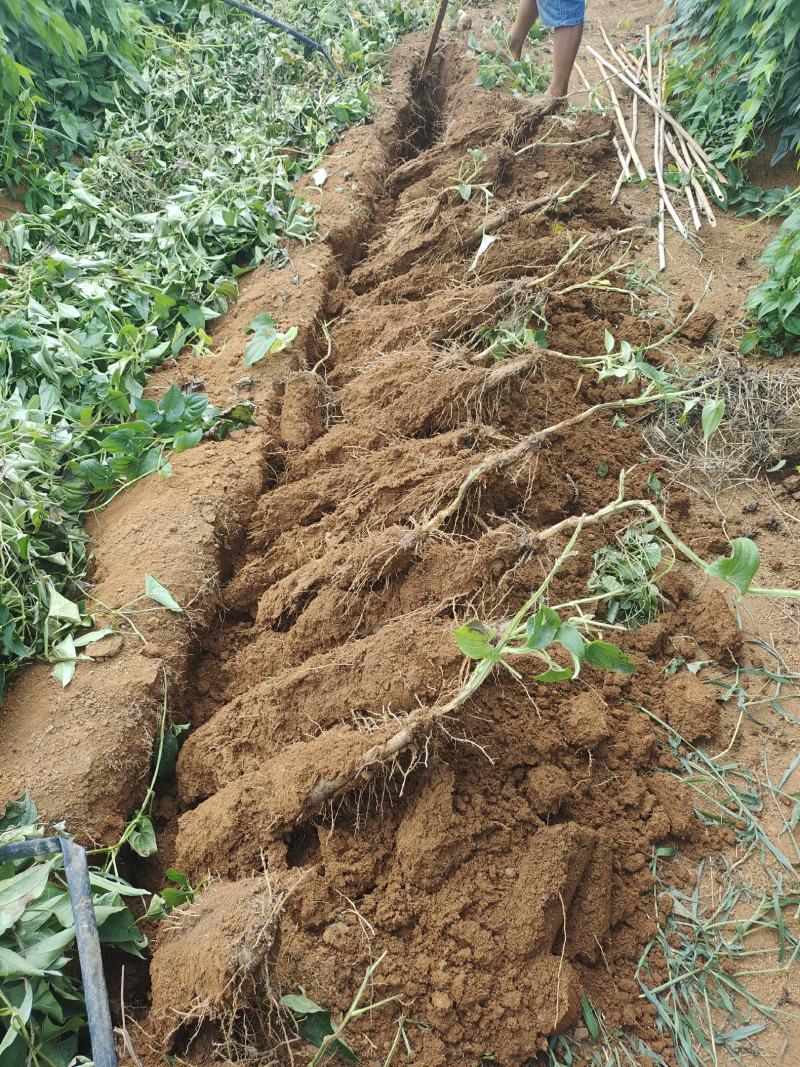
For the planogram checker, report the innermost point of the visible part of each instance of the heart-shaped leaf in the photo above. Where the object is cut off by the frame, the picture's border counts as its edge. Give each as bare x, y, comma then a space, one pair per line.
739, 568
156, 591
473, 638
542, 628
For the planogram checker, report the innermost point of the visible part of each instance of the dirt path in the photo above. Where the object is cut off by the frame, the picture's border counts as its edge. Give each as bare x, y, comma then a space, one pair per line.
503, 861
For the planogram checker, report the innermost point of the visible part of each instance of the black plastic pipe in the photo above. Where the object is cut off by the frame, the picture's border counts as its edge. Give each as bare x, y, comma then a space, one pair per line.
276, 24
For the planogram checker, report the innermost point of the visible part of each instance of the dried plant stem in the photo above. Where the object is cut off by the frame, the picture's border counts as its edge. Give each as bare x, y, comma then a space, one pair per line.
623, 128
658, 159
682, 167
696, 150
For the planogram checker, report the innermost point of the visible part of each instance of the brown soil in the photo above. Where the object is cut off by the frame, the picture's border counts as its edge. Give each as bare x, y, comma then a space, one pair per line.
502, 860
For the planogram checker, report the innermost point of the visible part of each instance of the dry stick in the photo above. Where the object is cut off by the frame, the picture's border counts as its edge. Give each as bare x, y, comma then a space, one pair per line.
623, 159
585, 245
683, 165
658, 161
510, 214
696, 150
437, 28
658, 156
634, 131
699, 191
679, 162
623, 127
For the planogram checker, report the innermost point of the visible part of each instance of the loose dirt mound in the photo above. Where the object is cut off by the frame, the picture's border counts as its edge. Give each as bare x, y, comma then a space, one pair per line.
502, 863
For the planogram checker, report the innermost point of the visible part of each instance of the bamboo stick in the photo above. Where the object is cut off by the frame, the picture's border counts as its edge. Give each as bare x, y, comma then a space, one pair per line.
658, 162
699, 191
623, 127
681, 165
623, 160
634, 131
695, 149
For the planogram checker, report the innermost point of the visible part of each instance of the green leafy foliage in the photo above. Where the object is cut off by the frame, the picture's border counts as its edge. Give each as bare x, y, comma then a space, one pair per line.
62, 65
502, 71
536, 636
124, 257
267, 339
735, 74
734, 79
775, 305
42, 1017
623, 574
314, 1024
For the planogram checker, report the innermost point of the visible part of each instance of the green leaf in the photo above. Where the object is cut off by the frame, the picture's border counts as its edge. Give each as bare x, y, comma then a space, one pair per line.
19, 891
61, 608
156, 591
300, 1004
64, 671
712, 416
262, 321
542, 628
172, 404
740, 567
12, 965
609, 658
187, 439
608, 341
474, 641
570, 638
143, 839
257, 349
46, 952
553, 675
589, 1017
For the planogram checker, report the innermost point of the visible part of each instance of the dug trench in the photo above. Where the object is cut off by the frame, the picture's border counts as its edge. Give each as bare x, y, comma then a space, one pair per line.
499, 856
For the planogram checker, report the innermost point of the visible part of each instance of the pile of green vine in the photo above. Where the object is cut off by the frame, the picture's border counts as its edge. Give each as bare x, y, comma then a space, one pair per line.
199, 121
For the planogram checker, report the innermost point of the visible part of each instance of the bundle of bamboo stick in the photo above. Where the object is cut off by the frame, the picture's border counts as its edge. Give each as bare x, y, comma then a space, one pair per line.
642, 81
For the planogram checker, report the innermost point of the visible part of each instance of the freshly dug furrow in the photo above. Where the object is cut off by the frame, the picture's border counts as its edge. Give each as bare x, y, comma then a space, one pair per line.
501, 857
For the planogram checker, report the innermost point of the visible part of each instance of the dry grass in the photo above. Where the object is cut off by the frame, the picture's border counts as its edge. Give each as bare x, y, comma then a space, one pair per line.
761, 426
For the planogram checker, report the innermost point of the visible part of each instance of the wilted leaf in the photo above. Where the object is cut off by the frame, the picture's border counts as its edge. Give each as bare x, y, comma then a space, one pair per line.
711, 417
156, 591
487, 241
61, 608
143, 839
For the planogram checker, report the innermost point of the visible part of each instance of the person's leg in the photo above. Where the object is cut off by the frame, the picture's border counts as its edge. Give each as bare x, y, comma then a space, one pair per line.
527, 14
566, 42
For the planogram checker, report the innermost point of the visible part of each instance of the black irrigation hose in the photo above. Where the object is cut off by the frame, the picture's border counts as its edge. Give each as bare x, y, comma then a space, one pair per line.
86, 936
298, 36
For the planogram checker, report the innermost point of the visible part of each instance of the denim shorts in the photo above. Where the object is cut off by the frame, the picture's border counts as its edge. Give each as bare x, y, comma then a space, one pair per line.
556, 13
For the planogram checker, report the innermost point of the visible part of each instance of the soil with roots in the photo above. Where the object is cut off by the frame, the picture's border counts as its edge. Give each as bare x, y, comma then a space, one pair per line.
502, 858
